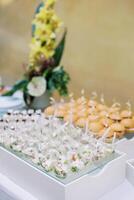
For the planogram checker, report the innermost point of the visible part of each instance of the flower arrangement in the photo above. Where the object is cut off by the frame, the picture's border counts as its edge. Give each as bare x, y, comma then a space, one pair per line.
44, 72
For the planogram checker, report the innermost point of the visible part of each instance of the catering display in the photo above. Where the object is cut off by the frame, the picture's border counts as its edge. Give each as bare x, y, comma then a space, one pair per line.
47, 154
96, 114
56, 154
60, 149
70, 151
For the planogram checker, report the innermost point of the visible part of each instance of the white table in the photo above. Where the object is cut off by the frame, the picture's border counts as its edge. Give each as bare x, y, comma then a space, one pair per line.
10, 191
124, 192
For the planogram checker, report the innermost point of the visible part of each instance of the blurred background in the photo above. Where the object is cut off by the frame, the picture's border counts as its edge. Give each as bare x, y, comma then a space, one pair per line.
99, 49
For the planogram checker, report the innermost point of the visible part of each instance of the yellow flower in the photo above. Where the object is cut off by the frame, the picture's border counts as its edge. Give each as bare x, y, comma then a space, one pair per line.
46, 24
56, 22
50, 3
43, 31
48, 53
44, 15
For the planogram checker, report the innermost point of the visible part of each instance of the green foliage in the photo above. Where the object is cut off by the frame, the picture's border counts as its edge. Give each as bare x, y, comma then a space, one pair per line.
58, 81
59, 50
20, 85
74, 169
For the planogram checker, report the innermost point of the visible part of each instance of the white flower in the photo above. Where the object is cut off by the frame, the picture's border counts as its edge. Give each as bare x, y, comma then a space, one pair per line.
37, 86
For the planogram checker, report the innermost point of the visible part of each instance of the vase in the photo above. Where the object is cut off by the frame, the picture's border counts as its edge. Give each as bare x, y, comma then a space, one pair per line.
37, 102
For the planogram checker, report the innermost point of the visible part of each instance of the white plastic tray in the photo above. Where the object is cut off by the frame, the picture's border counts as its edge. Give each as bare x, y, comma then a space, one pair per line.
126, 146
130, 171
44, 187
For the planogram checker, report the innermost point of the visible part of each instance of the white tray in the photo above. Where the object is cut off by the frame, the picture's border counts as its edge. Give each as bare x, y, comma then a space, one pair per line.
126, 146
130, 171
12, 102
44, 187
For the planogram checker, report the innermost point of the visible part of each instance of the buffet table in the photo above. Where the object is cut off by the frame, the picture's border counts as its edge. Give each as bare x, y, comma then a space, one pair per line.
13, 185
125, 192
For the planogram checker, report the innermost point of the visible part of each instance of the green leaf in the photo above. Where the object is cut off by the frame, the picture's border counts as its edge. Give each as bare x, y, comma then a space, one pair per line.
60, 49
46, 72
18, 86
58, 81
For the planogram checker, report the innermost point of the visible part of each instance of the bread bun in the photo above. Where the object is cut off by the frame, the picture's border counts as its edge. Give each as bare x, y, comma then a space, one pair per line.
49, 111
92, 110
60, 113
80, 108
81, 122
92, 103
67, 118
82, 114
126, 114
114, 109
95, 127
128, 123
103, 113
120, 134
64, 107
117, 127
93, 118
115, 116
106, 122
102, 132
73, 110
